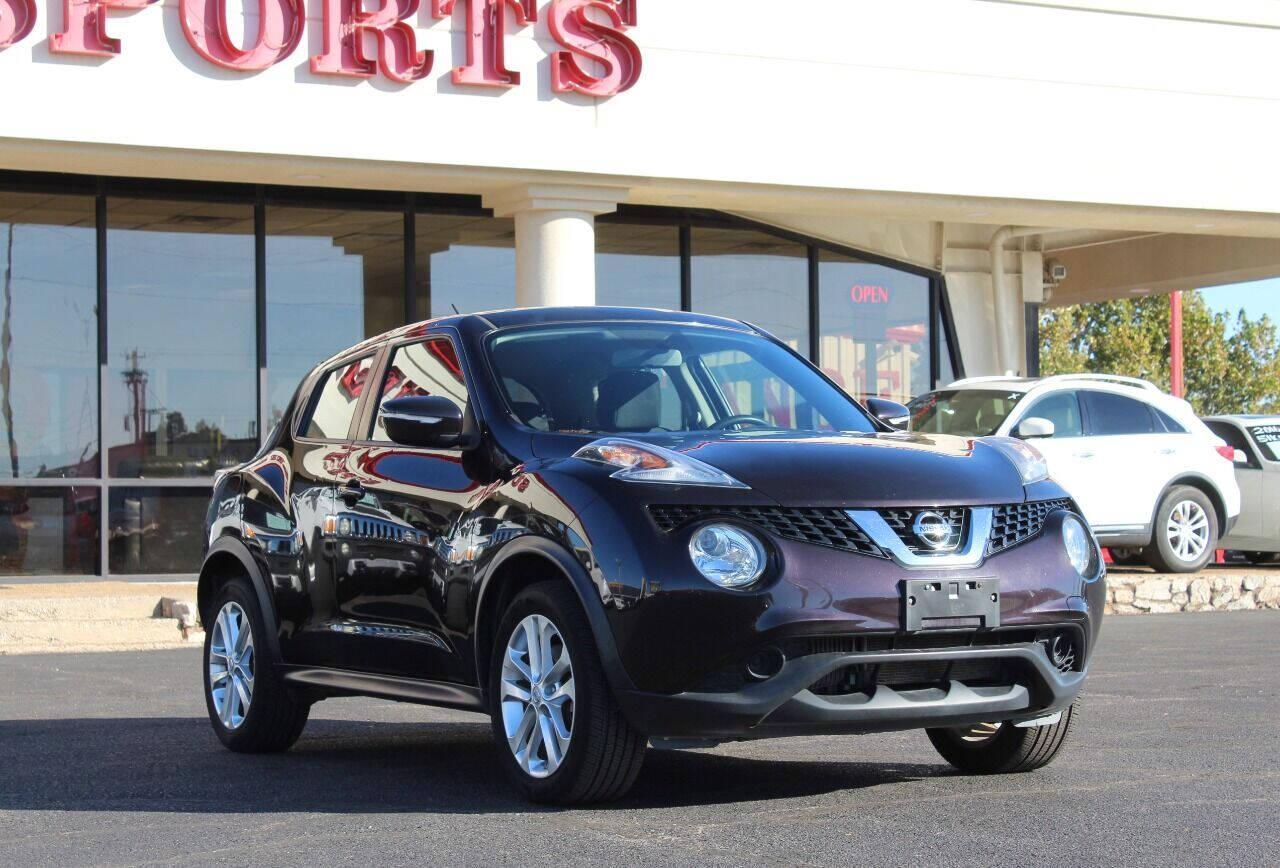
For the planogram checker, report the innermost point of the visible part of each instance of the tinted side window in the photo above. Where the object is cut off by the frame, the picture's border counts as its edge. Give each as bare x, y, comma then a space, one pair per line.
1235, 438
1115, 414
1063, 410
428, 368
1268, 439
334, 401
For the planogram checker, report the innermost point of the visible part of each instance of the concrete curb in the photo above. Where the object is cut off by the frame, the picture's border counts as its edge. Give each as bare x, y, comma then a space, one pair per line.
97, 616
1211, 591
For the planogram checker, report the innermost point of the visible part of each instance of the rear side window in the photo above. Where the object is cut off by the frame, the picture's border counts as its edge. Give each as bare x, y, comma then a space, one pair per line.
1115, 414
1235, 438
1173, 426
333, 402
427, 368
1268, 439
1063, 410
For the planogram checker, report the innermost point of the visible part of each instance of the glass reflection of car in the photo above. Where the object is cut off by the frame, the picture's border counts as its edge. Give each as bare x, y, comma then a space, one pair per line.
1255, 441
641, 528
1155, 483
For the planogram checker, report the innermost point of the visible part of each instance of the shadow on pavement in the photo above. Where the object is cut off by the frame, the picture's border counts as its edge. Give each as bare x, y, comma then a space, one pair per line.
171, 764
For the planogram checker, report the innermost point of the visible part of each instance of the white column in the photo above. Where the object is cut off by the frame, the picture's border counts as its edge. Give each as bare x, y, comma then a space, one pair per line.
555, 240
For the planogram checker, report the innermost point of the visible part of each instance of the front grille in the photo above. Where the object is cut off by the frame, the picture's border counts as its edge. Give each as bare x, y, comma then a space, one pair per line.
818, 525
916, 675
901, 522
1016, 523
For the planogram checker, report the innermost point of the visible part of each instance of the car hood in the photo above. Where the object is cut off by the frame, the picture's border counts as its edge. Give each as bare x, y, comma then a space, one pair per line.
830, 469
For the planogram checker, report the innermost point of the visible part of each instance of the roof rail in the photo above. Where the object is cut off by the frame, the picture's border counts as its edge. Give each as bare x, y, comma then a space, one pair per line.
968, 381
1107, 378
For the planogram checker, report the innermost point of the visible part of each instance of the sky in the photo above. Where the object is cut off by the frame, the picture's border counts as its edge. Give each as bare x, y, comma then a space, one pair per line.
1257, 298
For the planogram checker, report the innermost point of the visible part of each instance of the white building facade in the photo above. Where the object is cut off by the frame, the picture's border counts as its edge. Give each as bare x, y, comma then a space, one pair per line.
199, 199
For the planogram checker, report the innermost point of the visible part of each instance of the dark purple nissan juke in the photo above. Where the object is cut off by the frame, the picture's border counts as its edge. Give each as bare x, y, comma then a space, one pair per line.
612, 528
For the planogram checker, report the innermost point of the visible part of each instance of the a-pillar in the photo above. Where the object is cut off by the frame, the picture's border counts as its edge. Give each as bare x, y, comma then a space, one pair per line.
555, 240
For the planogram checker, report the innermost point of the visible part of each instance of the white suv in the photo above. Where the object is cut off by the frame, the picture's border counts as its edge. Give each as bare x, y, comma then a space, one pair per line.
1145, 472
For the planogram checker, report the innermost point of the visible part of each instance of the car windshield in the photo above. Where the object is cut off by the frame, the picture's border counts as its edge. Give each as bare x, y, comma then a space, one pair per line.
616, 378
964, 412
1268, 439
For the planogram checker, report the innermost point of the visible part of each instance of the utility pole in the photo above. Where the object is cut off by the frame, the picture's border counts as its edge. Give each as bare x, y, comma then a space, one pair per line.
136, 380
1175, 342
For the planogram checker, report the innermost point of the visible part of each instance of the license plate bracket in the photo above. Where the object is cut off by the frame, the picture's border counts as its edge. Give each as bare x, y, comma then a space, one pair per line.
932, 604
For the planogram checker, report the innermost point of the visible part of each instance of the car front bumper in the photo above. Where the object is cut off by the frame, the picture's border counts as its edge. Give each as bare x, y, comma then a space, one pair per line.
784, 704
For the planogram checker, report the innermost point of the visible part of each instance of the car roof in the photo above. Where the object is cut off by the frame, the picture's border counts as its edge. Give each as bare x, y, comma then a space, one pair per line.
1244, 418
526, 316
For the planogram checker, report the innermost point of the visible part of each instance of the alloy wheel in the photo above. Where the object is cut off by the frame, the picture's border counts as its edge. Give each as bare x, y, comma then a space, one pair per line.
978, 733
231, 665
538, 696
1188, 530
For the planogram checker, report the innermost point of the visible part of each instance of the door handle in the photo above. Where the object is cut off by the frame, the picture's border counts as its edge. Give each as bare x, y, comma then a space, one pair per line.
1084, 455
1165, 451
352, 493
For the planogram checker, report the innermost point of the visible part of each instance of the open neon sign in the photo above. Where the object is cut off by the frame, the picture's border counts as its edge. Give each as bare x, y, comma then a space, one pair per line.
596, 57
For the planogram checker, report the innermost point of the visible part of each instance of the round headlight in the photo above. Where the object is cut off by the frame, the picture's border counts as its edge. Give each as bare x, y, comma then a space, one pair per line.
1079, 546
726, 555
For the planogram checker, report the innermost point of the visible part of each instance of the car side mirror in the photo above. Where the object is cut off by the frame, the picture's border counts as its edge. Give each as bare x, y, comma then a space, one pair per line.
890, 412
1239, 457
1034, 427
427, 421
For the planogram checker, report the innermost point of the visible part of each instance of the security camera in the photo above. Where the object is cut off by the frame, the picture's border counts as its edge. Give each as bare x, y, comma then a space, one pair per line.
1055, 272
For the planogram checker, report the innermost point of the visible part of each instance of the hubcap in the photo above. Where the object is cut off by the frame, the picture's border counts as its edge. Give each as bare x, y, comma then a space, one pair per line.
1188, 530
537, 696
231, 665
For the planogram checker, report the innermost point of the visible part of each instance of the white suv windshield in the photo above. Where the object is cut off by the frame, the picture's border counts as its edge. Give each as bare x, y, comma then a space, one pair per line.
964, 412
629, 377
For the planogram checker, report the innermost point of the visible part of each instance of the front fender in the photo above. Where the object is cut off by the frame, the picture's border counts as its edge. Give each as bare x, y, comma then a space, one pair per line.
590, 594
225, 554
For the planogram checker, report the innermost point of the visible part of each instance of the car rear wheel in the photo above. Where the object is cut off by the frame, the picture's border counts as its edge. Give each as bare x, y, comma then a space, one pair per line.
1186, 531
562, 737
251, 710
1001, 748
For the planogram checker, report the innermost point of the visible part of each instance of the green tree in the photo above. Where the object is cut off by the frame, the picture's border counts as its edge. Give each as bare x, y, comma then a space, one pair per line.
1228, 366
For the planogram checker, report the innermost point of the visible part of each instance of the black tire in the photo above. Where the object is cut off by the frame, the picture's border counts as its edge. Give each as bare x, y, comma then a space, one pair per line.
1009, 750
1161, 554
604, 753
276, 716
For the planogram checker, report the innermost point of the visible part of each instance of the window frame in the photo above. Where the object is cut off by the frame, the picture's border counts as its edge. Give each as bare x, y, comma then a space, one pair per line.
368, 416
316, 382
1029, 412
1091, 429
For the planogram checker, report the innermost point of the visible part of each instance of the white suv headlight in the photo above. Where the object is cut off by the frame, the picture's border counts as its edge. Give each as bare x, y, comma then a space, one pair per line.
726, 555
1027, 458
644, 462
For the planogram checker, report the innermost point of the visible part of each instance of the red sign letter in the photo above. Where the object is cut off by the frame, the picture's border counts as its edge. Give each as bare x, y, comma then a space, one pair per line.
279, 31
346, 23
606, 45
84, 27
17, 17
486, 38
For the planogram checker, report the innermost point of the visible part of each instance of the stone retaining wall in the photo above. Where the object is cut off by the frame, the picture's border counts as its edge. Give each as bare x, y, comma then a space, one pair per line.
1141, 594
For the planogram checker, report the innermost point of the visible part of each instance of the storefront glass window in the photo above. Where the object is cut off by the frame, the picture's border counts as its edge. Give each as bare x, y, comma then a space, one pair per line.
49, 324
752, 276
874, 328
156, 530
946, 371
638, 266
463, 264
182, 366
48, 531
333, 279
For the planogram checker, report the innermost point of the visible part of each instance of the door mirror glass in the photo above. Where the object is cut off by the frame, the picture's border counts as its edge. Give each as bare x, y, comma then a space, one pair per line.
1035, 427
890, 412
427, 421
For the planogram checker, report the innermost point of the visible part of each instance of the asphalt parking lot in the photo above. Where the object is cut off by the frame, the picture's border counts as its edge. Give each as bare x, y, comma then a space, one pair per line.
107, 759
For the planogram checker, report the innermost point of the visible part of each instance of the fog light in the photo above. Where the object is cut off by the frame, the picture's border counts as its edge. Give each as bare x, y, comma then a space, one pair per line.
1062, 651
765, 663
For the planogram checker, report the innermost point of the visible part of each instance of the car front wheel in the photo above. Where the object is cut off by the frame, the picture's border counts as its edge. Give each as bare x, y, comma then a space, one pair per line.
251, 710
1001, 748
561, 735
1186, 532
